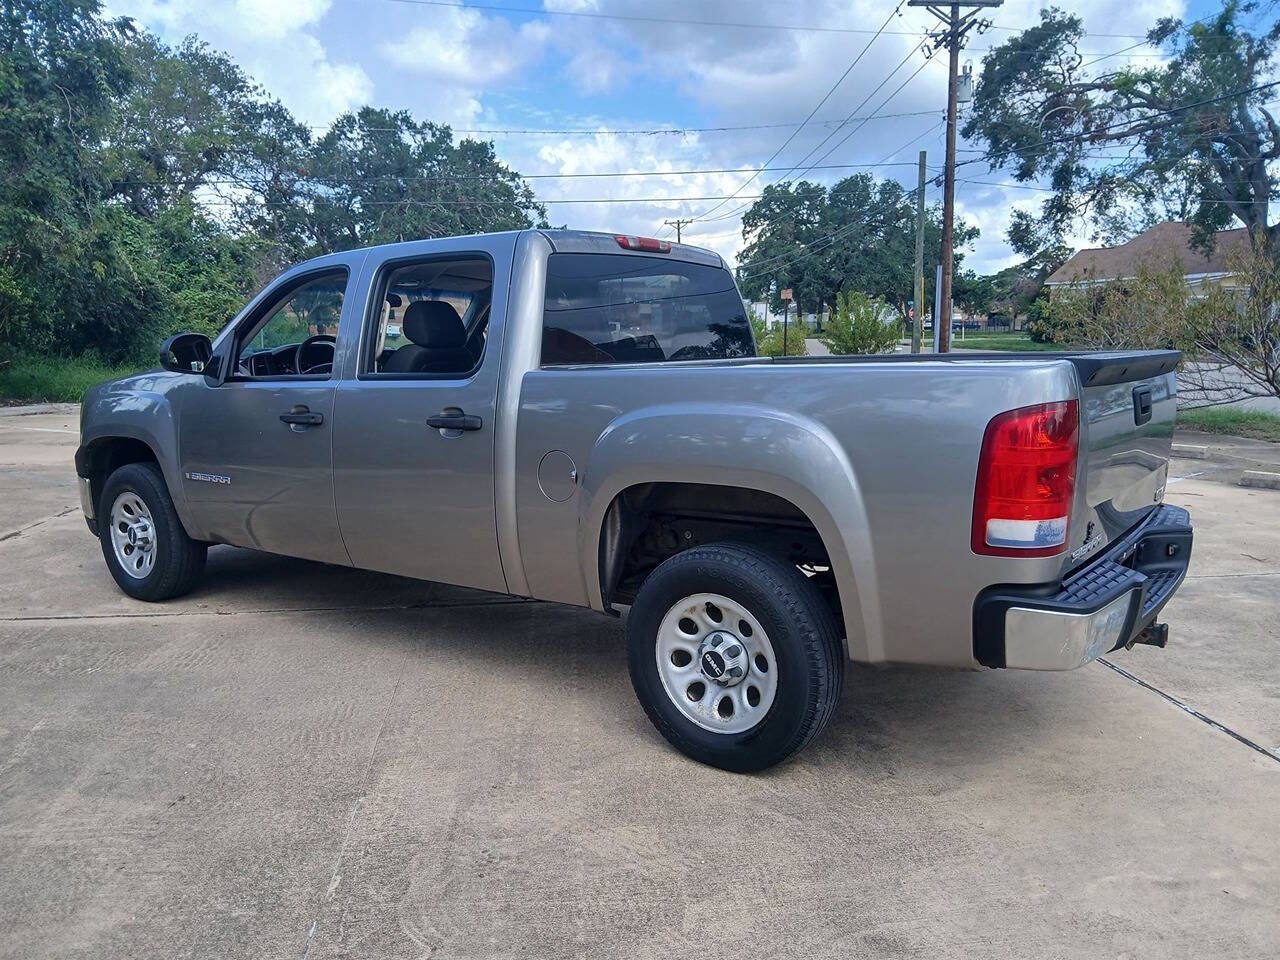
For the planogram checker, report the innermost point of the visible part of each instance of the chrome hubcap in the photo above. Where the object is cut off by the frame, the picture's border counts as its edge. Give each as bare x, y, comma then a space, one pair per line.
133, 535
716, 663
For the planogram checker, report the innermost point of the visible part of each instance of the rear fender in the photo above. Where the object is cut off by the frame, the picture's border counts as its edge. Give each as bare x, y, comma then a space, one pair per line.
754, 447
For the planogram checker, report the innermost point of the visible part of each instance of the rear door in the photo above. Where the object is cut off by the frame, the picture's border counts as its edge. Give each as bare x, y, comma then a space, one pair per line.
413, 452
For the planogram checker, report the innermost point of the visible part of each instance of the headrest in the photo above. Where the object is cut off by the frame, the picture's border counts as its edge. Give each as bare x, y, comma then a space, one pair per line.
394, 299
434, 323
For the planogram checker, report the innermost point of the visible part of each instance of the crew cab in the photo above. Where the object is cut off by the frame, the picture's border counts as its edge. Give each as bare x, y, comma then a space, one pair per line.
582, 418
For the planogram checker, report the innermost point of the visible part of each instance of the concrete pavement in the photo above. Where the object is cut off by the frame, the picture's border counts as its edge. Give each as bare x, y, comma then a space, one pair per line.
300, 760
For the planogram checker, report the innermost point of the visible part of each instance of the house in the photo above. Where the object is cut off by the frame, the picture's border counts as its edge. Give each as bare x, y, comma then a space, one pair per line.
1160, 249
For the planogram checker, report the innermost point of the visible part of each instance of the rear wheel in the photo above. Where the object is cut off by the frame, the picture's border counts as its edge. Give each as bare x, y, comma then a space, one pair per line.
734, 655
146, 548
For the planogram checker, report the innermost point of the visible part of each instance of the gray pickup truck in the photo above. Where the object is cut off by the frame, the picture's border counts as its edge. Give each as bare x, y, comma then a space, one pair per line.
581, 418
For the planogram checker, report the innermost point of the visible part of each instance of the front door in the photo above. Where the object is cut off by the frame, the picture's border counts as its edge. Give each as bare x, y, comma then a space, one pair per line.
257, 459
414, 443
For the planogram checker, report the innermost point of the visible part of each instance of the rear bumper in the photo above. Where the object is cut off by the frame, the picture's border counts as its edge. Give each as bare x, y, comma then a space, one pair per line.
1099, 608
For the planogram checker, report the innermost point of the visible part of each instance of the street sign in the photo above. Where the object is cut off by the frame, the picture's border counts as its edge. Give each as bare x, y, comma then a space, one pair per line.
786, 293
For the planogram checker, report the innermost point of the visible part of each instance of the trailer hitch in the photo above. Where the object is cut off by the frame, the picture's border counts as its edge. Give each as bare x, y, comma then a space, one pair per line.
1156, 635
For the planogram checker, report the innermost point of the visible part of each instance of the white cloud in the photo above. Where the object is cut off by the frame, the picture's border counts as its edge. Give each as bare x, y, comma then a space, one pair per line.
272, 40
275, 18
479, 70
747, 77
463, 48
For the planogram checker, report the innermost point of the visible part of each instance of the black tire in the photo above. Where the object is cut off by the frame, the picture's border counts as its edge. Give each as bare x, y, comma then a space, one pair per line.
179, 560
801, 629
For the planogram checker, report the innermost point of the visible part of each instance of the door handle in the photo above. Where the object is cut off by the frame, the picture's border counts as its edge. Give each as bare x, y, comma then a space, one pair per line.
301, 416
455, 421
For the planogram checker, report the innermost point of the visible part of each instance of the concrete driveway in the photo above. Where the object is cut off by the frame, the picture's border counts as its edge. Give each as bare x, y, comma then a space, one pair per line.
303, 761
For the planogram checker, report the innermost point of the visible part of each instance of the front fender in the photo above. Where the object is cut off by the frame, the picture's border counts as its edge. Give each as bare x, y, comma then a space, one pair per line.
748, 446
139, 408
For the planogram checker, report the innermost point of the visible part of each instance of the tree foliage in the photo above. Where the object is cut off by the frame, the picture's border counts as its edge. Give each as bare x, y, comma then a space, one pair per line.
1190, 136
1230, 330
770, 341
860, 324
148, 188
859, 234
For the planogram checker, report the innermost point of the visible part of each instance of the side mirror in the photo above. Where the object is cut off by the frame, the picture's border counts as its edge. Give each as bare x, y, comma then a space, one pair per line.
186, 353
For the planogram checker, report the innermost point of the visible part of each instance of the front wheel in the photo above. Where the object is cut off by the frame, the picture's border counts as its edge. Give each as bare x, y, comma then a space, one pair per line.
734, 655
146, 548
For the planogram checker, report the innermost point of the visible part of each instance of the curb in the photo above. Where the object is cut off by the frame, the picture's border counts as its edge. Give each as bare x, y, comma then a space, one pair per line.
30, 409
1260, 478
1190, 451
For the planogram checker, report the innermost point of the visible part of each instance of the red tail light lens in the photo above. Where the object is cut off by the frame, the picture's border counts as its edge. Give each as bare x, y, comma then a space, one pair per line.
648, 244
1026, 480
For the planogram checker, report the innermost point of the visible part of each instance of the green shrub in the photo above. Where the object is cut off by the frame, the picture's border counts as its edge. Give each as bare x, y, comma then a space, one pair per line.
857, 325
55, 379
769, 341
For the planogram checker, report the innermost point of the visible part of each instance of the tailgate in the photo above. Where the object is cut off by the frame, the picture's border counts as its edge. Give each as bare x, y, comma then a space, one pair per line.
1128, 406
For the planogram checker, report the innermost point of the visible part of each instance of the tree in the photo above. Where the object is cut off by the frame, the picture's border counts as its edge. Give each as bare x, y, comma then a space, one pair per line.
780, 228
1192, 130
1016, 288
769, 342
974, 294
859, 234
61, 69
379, 176
147, 189
859, 324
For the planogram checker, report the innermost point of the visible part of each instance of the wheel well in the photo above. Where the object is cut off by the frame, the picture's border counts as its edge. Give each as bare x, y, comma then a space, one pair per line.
647, 523
106, 455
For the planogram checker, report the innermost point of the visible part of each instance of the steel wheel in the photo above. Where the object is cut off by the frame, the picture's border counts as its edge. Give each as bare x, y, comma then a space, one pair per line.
133, 535
716, 663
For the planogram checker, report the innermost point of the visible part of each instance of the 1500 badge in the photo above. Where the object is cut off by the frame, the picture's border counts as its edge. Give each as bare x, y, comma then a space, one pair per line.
208, 477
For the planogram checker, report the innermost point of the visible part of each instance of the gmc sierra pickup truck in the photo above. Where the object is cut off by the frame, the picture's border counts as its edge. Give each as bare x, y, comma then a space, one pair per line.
581, 418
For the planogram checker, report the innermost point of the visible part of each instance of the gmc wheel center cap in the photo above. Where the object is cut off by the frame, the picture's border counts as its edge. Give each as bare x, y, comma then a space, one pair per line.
722, 658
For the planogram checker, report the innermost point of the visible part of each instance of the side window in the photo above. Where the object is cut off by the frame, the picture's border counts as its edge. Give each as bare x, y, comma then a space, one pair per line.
295, 335
616, 308
430, 318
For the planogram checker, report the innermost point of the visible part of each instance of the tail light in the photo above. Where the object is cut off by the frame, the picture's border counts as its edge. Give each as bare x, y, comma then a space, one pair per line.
1026, 480
648, 244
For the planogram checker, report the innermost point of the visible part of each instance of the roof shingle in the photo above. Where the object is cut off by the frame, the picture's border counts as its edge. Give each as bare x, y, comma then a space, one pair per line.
1157, 249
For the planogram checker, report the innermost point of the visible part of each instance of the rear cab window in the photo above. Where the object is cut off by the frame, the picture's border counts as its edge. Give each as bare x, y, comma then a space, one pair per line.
612, 308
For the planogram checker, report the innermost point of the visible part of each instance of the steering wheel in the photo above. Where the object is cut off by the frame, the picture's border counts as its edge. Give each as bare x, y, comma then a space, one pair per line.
304, 364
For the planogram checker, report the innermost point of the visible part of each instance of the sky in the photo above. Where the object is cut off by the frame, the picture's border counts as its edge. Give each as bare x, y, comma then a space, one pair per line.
515, 66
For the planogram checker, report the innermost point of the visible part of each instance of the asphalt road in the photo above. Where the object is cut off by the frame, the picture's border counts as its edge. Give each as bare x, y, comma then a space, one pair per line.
303, 761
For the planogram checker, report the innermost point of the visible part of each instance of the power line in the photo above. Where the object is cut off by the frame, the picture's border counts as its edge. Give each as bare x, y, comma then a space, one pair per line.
787, 172
812, 113
746, 25
1121, 123
633, 131
637, 18
449, 178
419, 202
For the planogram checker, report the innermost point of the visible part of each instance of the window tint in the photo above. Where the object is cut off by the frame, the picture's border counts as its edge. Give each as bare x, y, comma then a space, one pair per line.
432, 320
603, 308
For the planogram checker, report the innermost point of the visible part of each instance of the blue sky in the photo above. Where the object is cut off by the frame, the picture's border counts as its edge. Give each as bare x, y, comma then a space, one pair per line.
483, 68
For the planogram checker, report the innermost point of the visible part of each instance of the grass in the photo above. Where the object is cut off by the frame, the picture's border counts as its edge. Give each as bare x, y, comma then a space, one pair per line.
1241, 423
54, 379
1000, 340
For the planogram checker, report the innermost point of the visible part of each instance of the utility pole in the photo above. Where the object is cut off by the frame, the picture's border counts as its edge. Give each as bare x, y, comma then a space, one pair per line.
679, 224
786, 312
956, 26
917, 291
